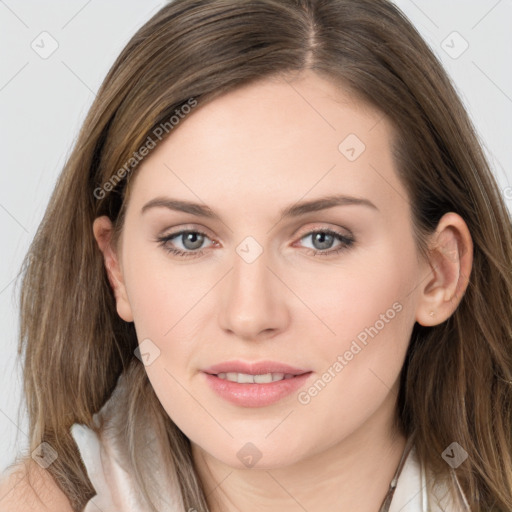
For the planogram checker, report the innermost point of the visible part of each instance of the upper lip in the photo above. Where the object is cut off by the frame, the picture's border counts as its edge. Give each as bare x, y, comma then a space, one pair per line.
254, 368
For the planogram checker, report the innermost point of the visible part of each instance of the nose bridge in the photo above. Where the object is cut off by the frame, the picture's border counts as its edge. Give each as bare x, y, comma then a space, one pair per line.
250, 274
251, 301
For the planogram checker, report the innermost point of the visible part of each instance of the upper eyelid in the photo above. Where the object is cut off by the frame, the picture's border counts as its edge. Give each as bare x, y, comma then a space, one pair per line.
337, 230
307, 231
180, 231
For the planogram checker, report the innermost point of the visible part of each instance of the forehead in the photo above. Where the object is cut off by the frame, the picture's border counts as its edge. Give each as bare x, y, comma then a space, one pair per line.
275, 140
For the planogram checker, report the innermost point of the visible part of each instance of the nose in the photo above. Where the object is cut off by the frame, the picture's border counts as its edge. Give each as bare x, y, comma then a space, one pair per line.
253, 300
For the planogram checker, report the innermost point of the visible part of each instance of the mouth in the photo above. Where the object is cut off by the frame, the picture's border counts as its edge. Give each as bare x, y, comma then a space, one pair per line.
247, 378
255, 384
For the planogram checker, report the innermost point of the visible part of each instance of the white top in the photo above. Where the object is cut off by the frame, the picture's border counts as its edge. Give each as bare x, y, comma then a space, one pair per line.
117, 490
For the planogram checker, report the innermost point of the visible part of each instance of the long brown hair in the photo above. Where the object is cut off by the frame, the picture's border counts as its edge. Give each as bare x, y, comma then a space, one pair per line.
456, 380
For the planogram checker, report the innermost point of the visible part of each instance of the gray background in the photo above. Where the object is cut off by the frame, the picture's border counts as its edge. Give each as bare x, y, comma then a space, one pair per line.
43, 102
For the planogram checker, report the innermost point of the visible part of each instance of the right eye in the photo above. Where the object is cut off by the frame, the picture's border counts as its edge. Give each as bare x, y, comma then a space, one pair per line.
191, 240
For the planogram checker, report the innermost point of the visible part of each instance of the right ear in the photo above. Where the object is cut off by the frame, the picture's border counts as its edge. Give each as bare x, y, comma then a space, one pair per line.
103, 230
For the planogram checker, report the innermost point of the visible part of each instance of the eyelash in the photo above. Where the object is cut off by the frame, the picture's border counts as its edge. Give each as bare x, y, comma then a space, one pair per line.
346, 243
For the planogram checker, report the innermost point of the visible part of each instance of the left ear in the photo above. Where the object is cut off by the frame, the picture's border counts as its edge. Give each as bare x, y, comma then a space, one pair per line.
450, 261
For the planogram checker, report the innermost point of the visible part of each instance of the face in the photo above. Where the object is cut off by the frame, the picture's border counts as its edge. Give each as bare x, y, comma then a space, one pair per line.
330, 291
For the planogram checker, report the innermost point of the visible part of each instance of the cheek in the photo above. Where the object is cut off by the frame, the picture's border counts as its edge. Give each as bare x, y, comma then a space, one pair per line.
372, 310
168, 302
369, 306
161, 293
367, 296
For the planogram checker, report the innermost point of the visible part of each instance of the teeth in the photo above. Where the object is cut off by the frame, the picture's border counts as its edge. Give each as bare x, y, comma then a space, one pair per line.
245, 378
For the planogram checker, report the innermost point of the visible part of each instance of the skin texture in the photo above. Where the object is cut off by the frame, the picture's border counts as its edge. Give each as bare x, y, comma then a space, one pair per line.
247, 155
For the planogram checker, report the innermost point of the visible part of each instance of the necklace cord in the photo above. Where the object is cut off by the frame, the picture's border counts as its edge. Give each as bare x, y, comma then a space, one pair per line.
391, 491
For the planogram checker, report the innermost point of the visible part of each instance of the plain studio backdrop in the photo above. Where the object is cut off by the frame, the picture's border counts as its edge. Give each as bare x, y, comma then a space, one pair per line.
54, 57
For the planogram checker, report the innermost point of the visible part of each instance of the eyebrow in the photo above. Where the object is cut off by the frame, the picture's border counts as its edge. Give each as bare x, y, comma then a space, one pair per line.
295, 210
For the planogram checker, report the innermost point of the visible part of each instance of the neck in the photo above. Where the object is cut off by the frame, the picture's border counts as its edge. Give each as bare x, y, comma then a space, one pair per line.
354, 474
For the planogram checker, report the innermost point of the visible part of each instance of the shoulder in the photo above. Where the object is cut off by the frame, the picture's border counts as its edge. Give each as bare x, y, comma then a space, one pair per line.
27, 486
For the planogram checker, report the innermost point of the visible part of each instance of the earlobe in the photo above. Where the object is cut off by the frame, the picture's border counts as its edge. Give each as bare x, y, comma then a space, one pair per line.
451, 260
103, 230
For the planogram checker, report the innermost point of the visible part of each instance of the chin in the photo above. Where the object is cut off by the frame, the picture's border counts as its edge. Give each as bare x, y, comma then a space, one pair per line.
257, 454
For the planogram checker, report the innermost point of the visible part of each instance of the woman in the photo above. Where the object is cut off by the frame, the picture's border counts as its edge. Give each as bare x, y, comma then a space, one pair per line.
274, 274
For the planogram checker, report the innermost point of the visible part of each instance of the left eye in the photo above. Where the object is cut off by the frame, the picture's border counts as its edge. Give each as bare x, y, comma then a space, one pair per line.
192, 242
325, 238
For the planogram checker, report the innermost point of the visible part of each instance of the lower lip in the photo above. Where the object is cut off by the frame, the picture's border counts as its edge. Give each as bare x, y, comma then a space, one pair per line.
255, 395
